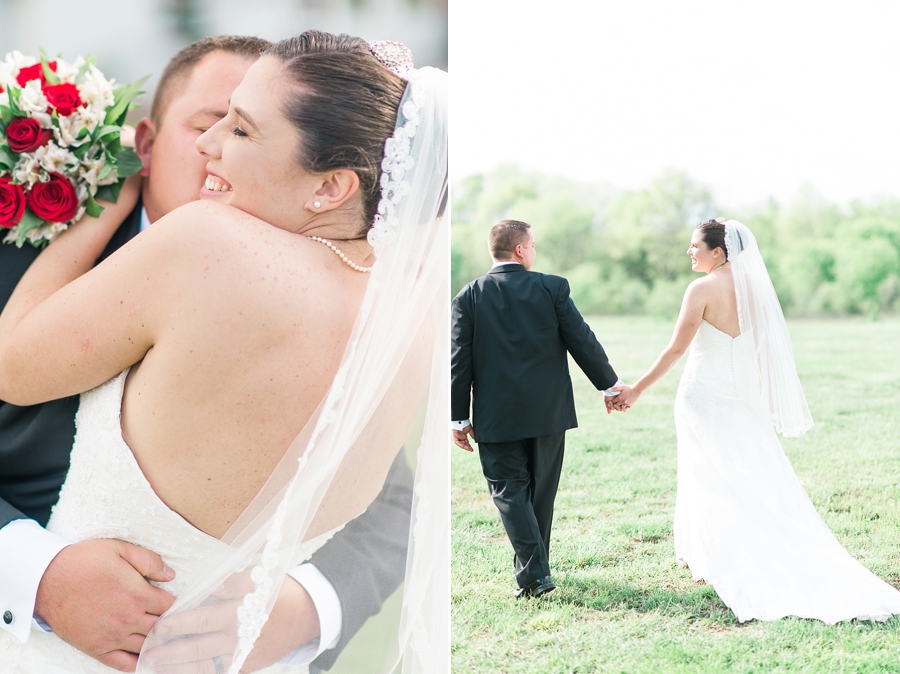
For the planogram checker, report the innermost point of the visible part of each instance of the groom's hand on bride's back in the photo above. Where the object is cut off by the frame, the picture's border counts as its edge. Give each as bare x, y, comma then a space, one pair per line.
95, 596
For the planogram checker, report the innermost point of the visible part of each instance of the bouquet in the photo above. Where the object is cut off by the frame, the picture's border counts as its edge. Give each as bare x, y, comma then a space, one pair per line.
60, 145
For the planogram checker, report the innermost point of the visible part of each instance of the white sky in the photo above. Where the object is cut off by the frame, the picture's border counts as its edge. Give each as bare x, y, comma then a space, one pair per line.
753, 98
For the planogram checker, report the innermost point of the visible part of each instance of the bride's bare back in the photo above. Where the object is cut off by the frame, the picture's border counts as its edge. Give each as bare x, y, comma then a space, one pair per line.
720, 310
252, 324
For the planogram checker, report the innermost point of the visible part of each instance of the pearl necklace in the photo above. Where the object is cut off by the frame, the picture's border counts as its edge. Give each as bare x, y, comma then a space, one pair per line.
340, 254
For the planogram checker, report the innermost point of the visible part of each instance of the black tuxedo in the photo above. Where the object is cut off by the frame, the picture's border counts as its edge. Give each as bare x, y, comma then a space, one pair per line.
35, 443
511, 333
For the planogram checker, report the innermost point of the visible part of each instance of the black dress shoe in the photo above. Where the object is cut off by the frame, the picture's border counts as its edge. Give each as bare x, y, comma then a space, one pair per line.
537, 588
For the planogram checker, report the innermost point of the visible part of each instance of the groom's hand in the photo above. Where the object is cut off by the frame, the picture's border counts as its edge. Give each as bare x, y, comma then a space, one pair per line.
95, 596
461, 439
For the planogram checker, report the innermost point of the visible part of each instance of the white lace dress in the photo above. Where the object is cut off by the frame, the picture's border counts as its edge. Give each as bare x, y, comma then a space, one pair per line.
107, 496
743, 522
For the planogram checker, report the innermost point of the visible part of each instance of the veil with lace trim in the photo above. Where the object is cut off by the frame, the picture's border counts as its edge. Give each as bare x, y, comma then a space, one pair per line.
396, 357
761, 317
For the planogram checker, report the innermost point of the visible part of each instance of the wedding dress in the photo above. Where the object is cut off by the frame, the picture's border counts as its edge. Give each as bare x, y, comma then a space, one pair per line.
107, 496
743, 522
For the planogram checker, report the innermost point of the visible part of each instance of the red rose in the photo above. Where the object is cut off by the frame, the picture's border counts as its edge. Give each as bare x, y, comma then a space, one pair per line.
35, 72
12, 203
54, 200
64, 97
25, 134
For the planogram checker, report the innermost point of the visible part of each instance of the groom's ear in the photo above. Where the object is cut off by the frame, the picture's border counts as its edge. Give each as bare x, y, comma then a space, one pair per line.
337, 188
144, 135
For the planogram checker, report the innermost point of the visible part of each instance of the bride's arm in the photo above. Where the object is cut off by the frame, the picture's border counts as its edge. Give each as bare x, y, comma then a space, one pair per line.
68, 327
689, 318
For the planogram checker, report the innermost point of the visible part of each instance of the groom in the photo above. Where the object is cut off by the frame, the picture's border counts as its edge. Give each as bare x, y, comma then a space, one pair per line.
511, 330
93, 594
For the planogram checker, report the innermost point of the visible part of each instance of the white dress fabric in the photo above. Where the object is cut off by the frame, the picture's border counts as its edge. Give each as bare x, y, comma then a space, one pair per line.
743, 522
107, 496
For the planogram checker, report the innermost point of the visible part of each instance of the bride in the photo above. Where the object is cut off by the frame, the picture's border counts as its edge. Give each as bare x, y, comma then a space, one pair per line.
743, 522
257, 357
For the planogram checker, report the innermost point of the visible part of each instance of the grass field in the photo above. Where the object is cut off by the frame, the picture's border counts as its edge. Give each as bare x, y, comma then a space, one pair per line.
622, 605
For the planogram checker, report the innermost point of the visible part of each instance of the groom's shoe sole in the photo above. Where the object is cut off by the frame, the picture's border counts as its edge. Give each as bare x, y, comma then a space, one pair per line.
537, 588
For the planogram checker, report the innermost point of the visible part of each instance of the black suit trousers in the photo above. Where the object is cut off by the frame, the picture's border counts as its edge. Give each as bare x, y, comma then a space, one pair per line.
523, 476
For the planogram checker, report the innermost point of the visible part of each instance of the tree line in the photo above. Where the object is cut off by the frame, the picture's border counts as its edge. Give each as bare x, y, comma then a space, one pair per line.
623, 251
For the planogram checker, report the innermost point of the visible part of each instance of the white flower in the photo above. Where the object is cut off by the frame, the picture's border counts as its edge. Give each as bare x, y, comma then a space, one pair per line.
55, 159
8, 74
66, 71
27, 171
32, 99
4, 97
67, 132
92, 168
91, 116
20, 60
96, 91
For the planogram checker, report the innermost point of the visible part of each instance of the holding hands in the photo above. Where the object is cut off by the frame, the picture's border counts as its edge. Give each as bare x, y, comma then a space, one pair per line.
626, 398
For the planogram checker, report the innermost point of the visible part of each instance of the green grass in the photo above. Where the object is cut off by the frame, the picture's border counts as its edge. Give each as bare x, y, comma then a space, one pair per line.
622, 605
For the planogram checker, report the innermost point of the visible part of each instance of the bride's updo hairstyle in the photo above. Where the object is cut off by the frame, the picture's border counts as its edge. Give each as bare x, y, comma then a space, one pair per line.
713, 234
344, 109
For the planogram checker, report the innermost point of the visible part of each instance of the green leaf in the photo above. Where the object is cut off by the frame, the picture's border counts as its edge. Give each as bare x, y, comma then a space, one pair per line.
128, 162
93, 208
6, 114
7, 158
124, 95
110, 192
81, 150
49, 75
102, 131
28, 222
108, 167
14, 94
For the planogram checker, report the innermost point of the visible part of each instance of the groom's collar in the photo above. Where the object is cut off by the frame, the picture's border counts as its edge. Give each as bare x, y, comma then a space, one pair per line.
504, 267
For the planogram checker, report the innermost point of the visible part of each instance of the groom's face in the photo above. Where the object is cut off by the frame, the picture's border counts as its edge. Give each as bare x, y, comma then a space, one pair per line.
175, 170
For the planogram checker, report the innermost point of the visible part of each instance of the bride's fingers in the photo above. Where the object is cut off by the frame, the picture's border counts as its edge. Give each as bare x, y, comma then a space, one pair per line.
217, 618
194, 650
207, 666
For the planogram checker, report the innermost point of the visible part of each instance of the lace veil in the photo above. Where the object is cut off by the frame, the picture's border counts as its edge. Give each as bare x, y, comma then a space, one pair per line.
761, 317
396, 358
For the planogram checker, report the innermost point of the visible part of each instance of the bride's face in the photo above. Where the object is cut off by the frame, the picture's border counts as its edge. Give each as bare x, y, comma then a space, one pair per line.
703, 259
252, 152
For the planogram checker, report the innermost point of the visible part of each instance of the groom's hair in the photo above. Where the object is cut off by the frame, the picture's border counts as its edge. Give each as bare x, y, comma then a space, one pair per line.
505, 236
180, 66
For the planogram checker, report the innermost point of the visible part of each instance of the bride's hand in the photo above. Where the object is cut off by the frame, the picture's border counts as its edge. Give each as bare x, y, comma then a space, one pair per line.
199, 639
626, 399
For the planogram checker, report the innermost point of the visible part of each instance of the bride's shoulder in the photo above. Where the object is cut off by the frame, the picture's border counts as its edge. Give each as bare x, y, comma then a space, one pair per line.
207, 226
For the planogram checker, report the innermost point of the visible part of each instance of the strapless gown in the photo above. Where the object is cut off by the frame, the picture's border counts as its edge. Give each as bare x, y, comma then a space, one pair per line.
743, 522
107, 496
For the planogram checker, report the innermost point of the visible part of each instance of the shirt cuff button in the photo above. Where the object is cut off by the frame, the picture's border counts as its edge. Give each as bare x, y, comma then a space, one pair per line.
8, 617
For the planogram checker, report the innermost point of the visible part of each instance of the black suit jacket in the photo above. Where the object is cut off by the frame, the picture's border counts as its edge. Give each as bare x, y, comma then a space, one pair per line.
511, 330
36, 441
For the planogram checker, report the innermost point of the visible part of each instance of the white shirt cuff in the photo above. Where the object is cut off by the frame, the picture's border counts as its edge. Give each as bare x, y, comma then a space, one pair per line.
459, 425
609, 392
26, 550
328, 606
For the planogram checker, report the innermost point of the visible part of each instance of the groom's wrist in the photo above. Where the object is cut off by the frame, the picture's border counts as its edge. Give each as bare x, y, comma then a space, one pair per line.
26, 550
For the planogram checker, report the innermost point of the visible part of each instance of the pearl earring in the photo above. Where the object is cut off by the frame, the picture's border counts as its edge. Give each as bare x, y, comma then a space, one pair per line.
317, 204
